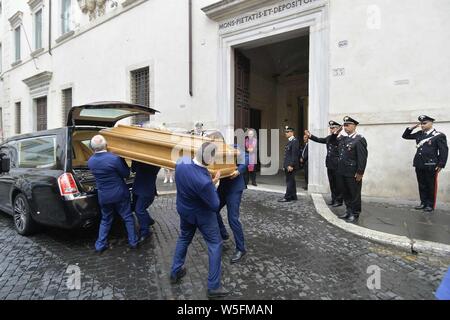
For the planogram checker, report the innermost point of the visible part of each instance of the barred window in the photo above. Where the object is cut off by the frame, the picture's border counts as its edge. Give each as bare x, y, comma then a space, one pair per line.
41, 114
1, 58
1, 124
18, 116
140, 92
67, 103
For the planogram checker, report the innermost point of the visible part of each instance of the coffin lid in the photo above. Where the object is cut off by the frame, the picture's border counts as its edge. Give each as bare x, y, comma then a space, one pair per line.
105, 113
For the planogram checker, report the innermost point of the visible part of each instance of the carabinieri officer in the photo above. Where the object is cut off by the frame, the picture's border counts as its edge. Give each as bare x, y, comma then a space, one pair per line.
291, 165
431, 157
351, 167
331, 162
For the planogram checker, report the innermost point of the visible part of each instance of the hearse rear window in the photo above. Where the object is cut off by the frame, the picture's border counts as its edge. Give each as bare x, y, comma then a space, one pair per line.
37, 152
106, 113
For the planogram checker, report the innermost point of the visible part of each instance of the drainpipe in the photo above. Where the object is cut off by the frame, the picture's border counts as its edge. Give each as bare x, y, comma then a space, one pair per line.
190, 49
50, 27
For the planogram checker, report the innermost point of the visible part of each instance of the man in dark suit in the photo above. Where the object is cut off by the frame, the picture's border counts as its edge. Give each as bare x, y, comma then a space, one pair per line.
351, 167
144, 192
230, 194
110, 172
431, 157
197, 205
331, 162
304, 159
290, 165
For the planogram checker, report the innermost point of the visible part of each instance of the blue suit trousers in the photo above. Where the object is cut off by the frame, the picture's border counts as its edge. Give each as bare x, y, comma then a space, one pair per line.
123, 208
141, 204
233, 203
210, 231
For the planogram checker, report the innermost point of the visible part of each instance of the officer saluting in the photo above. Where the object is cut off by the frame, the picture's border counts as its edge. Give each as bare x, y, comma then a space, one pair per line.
430, 159
290, 165
331, 162
351, 167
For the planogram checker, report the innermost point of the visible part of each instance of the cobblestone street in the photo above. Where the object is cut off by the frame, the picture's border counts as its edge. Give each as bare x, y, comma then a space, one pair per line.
292, 254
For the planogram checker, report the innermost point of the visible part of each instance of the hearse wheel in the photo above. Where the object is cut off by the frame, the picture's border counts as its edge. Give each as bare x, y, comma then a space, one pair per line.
23, 222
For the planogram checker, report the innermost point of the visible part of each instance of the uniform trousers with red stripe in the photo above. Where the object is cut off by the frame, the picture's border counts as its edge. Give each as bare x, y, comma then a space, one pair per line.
427, 180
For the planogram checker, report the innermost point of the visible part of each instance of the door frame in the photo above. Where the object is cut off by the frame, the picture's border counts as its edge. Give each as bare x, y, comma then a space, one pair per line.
316, 20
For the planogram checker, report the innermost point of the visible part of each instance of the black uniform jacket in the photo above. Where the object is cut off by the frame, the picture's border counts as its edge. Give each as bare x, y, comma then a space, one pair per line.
352, 154
432, 149
332, 150
291, 154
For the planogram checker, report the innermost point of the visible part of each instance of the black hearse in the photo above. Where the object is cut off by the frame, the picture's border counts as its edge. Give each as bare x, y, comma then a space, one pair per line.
44, 178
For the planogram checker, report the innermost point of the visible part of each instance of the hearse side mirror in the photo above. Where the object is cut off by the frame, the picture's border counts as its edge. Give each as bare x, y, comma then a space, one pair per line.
5, 165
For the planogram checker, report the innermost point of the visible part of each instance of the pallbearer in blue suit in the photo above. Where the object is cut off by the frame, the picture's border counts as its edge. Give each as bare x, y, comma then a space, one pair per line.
197, 205
144, 192
110, 171
230, 193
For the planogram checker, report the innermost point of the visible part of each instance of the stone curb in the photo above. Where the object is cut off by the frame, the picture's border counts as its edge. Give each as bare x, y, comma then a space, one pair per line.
403, 242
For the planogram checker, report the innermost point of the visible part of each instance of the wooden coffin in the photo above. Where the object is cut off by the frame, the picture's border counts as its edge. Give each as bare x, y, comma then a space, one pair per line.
163, 148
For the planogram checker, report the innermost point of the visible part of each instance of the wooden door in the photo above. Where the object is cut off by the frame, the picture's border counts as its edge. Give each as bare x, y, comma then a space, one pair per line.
242, 91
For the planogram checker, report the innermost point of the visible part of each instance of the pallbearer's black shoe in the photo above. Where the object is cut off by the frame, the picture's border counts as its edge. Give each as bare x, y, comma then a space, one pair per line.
217, 293
174, 279
338, 204
284, 200
428, 209
237, 256
332, 203
421, 207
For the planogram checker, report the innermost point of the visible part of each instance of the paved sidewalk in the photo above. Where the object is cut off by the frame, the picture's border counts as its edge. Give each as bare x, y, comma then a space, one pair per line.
403, 220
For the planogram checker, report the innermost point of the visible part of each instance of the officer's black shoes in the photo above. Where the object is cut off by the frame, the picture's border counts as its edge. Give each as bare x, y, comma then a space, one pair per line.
345, 215
428, 209
254, 184
237, 256
284, 200
351, 218
421, 207
174, 279
217, 293
337, 204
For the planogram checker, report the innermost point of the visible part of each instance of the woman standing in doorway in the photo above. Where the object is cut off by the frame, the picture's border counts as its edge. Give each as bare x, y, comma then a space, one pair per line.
251, 148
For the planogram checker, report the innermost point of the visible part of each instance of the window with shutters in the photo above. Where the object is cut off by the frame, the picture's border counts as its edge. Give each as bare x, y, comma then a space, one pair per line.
17, 43
140, 92
67, 103
38, 30
65, 16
